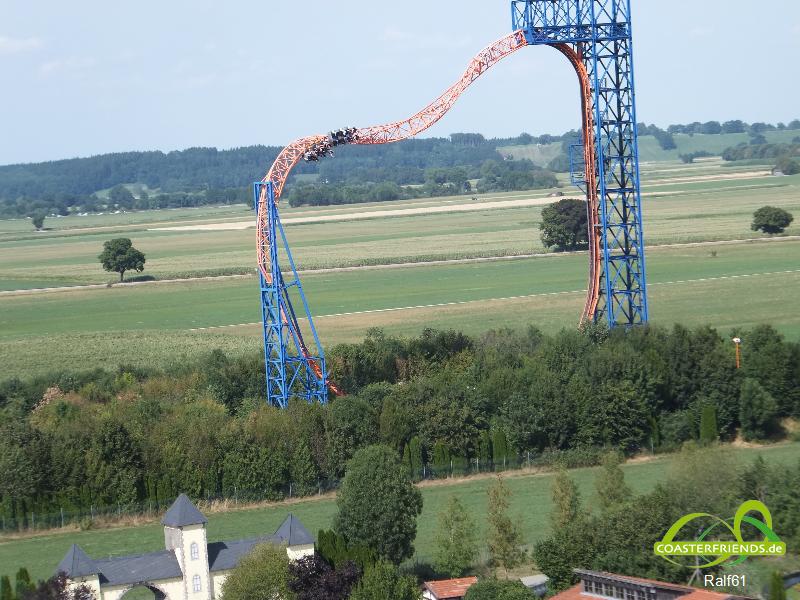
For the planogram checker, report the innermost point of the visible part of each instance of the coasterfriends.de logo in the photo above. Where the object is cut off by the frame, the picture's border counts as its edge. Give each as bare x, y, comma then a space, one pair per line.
720, 541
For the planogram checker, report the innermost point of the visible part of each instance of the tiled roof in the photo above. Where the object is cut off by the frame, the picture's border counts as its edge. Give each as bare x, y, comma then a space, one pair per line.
155, 566
573, 593
685, 592
639, 580
139, 568
77, 564
223, 556
293, 533
183, 513
705, 595
226, 555
450, 588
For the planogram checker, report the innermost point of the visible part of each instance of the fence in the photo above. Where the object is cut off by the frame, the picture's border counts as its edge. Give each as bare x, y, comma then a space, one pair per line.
151, 509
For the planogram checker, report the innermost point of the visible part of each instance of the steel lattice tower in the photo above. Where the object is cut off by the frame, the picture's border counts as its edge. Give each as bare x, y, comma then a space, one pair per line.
291, 369
595, 36
600, 33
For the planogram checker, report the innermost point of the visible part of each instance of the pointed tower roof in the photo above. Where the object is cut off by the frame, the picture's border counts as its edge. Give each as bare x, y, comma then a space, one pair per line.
77, 564
293, 532
183, 513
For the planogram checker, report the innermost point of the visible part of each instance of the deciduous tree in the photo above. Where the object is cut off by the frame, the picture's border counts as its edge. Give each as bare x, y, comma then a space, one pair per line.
57, 588
771, 220
37, 218
312, 578
503, 536
456, 540
119, 255
777, 589
610, 482
758, 411
564, 225
492, 589
378, 505
261, 575
566, 500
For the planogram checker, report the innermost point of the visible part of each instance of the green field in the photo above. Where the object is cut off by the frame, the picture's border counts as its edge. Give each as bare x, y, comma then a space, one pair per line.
727, 285
530, 506
744, 284
679, 205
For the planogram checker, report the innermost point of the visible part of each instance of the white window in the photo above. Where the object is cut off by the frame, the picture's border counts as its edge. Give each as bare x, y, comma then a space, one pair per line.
194, 551
196, 583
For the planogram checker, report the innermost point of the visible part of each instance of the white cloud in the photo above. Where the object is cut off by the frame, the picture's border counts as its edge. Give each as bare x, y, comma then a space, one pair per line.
71, 63
9, 45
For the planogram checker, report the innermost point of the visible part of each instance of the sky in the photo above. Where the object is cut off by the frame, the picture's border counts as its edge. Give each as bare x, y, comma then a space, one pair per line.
93, 76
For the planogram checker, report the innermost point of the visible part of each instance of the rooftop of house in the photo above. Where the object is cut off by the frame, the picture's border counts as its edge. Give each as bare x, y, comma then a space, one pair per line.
161, 565
183, 513
683, 592
450, 588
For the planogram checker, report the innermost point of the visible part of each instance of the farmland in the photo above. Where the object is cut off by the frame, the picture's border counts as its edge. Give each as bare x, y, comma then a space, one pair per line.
40, 554
726, 285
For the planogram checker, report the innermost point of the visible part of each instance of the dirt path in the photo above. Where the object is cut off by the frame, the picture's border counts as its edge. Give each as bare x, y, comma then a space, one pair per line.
700, 178
373, 214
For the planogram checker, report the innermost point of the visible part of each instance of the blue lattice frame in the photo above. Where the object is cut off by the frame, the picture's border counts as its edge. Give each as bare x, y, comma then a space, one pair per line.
289, 370
601, 31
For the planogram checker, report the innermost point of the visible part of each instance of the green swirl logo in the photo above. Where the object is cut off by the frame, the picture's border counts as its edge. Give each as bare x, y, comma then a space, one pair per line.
722, 551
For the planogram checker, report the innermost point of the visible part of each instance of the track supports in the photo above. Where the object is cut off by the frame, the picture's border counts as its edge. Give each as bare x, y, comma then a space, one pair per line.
599, 31
291, 369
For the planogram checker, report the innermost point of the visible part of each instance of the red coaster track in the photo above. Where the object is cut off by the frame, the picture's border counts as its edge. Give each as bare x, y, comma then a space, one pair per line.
319, 145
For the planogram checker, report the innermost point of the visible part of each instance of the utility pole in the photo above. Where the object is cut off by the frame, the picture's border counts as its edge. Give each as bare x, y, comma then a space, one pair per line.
738, 343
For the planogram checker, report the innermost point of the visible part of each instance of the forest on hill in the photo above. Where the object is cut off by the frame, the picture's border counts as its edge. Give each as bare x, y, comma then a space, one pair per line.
463, 163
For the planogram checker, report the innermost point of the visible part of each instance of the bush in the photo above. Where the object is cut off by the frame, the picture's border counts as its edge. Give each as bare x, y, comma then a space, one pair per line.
261, 575
492, 589
383, 581
771, 220
788, 165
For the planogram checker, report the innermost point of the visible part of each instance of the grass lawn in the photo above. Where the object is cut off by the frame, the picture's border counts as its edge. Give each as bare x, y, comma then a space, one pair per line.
530, 507
745, 284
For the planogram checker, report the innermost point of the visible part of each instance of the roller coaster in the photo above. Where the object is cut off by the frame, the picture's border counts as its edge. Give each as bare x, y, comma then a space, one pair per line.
595, 36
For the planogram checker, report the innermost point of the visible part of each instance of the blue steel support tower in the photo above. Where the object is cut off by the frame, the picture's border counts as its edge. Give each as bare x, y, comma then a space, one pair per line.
600, 31
291, 369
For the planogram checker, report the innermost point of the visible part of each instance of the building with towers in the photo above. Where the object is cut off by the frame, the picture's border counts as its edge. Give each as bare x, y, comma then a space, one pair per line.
189, 567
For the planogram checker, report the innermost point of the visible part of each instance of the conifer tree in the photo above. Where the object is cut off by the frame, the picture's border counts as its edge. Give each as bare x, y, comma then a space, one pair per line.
485, 448
5, 588
22, 583
709, 432
504, 539
499, 448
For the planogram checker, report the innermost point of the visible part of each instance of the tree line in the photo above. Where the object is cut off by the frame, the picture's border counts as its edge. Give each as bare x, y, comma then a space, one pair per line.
71, 440
198, 176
